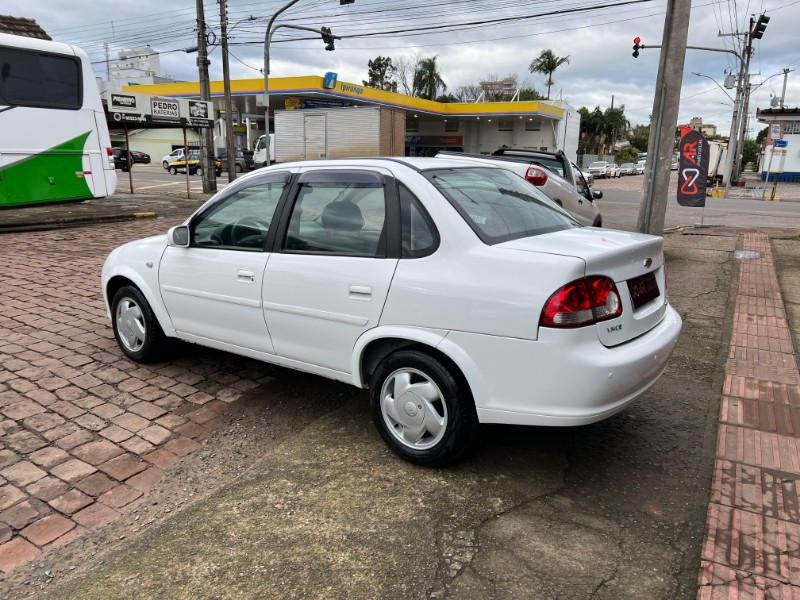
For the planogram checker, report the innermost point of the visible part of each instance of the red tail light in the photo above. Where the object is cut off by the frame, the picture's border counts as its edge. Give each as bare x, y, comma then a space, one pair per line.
582, 302
536, 176
109, 151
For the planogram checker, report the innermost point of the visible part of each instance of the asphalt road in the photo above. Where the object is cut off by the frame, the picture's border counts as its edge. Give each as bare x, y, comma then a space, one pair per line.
153, 179
620, 210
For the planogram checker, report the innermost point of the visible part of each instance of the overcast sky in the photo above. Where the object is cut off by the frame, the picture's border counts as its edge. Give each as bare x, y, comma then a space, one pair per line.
471, 38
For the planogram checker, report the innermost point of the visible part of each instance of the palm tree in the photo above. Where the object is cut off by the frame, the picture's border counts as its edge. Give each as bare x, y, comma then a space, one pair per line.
427, 79
546, 64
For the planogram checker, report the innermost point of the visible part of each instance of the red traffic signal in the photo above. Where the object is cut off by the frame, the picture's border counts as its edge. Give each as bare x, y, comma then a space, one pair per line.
636, 45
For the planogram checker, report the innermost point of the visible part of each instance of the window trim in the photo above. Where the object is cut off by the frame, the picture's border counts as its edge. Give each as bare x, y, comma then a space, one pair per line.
273, 177
437, 240
48, 105
391, 220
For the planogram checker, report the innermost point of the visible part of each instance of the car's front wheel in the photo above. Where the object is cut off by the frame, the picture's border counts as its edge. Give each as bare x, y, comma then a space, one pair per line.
165, 164
136, 328
423, 410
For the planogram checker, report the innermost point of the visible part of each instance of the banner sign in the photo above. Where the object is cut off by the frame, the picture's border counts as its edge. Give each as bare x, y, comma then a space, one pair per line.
293, 103
151, 111
435, 140
692, 168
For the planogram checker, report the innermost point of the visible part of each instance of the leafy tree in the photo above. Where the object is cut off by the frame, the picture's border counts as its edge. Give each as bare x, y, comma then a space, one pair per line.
428, 80
750, 153
627, 154
546, 64
639, 137
527, 94
446, 98
381, 73
761, 135
616, 125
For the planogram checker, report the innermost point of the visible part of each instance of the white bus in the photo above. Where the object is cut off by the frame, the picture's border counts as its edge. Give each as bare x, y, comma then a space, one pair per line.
54, 143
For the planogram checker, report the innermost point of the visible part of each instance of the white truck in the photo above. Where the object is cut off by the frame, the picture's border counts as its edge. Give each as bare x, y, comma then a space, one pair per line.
717, 155
552, 172
312, 134
260, 158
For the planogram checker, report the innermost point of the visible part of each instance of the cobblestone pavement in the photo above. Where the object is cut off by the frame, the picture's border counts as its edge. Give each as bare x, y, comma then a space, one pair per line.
84, 433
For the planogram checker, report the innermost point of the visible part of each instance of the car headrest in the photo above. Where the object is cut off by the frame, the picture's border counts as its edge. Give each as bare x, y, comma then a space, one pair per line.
342, 216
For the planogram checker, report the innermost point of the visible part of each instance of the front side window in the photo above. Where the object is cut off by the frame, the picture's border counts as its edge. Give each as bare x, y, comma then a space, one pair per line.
499, 205
38, 79
243, 219
339, 212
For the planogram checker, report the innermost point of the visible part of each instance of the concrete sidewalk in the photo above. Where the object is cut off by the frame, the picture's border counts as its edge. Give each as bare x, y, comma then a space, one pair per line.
119, 207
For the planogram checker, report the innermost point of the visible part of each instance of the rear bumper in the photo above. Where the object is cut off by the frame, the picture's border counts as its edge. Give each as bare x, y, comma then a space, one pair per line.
566, 377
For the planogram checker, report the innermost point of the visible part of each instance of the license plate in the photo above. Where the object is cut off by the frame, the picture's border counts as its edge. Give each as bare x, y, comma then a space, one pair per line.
643, 289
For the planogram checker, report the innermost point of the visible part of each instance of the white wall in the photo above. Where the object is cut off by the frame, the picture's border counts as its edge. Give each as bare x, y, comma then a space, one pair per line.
791, 165
484, 135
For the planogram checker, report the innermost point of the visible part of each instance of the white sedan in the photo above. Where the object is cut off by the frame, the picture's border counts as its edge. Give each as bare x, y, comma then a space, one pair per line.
457, 294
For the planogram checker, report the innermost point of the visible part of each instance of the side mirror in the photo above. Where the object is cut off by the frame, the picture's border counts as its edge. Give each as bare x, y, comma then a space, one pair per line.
597, 194
178, 236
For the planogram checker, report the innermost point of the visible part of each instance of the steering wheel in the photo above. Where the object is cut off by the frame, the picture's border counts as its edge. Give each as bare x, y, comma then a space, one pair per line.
249, 232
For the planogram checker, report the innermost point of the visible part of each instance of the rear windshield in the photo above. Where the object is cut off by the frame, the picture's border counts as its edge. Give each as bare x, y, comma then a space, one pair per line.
597, 164
498, 204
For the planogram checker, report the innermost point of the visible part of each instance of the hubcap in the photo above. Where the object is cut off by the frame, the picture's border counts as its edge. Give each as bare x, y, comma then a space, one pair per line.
413, 409
130, 324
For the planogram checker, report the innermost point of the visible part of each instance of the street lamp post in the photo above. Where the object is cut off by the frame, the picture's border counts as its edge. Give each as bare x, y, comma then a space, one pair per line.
268, 39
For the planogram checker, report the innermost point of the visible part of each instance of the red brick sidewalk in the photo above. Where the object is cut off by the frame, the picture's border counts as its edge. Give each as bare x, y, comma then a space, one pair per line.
84, 433
752, 543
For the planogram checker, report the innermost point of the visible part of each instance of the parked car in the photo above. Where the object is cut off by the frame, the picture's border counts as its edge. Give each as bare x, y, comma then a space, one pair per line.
121, 159
551, 172
613, 170
176, 155
140, 157
640, 166
598, 168
194, 166
627, 169
241, 161
457, 294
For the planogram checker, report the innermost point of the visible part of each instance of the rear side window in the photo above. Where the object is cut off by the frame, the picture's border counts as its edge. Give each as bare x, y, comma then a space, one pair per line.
499, 205
39, 79
418, 237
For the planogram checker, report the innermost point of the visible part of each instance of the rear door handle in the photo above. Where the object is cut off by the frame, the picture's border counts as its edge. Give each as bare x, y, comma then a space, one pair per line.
360, 292
246, 276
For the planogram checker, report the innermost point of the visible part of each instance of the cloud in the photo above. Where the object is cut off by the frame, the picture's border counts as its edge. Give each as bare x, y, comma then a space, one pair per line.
599, 44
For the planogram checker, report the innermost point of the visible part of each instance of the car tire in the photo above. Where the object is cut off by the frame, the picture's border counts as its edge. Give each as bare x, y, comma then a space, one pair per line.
136, 328
238, 168
198, 171
444, 422
173, 170
165, 164
598, 221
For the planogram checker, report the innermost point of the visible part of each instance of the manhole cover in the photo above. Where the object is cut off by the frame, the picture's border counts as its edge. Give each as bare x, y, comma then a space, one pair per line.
746, 254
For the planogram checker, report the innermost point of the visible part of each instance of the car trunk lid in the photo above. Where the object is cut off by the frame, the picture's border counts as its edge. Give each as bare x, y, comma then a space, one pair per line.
635, 263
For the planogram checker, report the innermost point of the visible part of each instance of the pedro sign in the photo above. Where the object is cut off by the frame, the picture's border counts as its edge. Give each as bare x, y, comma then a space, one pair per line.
692, 168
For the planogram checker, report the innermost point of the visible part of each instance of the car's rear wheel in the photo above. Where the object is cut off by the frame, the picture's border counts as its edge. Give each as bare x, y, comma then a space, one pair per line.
422, 409
238, 168
136, 328
173, 170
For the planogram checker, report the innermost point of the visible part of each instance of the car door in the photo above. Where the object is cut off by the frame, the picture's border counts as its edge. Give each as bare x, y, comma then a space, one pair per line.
212, 289
327, 279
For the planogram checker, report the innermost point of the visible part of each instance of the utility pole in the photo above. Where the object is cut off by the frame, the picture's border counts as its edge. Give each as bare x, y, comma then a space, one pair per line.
206, 135
665, 110
733, 135
742, 133
783, 93
226, 82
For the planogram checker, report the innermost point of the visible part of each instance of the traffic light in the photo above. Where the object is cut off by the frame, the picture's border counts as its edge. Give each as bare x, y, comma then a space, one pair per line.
327, 38
761, 25
636, 45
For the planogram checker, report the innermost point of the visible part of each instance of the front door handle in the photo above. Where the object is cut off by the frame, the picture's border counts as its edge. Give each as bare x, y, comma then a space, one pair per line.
246, 276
